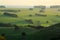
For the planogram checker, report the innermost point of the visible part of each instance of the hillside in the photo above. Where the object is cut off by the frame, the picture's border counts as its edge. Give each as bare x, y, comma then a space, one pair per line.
50, 15
49, 33
38, 24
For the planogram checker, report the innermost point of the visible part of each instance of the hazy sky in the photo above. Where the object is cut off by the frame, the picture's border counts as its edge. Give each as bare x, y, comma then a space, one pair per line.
30, 2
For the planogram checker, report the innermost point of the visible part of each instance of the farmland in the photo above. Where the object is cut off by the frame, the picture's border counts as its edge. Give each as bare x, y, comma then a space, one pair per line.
24, 13
49, 17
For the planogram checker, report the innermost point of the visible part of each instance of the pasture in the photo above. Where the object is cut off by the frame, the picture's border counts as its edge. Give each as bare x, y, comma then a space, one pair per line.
11, 34
24, 13
47, 18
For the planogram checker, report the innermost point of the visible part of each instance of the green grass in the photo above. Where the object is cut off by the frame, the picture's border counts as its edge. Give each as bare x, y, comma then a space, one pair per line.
32, 34
23, 14
11, 34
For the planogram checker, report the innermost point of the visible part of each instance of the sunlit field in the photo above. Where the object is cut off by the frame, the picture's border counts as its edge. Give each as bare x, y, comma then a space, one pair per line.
23, 14
48, 19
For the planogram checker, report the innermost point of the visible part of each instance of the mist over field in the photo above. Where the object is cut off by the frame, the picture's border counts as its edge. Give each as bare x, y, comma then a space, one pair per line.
29, 19
19, 6
30, 22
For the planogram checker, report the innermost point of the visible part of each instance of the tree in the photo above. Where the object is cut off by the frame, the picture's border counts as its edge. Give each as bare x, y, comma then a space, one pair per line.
30, 8
16, 27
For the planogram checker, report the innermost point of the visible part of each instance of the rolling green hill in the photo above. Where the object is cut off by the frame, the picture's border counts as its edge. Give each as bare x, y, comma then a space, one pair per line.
24, 13
25, 17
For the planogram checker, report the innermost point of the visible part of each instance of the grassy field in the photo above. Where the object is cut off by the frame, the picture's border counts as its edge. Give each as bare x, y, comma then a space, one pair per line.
25, 12
11, 34
32, 34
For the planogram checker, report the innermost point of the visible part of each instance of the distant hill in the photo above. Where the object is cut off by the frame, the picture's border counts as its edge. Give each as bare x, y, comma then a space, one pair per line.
2, 7
55, 6
9, 6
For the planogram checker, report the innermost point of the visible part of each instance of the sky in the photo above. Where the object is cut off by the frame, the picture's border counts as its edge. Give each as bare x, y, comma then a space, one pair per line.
30, 2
